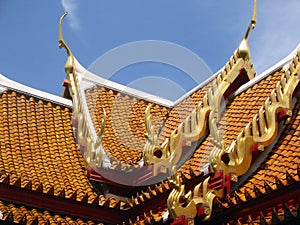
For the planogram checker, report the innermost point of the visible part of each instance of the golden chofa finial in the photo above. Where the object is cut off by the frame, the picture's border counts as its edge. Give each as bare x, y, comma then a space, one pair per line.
244, 48
69, 66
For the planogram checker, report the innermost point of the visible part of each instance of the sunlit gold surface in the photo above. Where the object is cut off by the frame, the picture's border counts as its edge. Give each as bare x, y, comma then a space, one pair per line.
93, 148
262, 130
195, 125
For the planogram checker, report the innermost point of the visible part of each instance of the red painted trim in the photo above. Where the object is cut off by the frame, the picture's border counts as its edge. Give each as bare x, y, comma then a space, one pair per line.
181, 220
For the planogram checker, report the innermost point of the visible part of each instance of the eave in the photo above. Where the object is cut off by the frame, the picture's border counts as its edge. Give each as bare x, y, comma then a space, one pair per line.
60, 205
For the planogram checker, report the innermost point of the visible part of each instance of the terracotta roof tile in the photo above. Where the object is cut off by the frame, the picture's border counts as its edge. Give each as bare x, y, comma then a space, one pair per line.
38, 146
283, 162
235, 118
125, 127
181, 111
24, 215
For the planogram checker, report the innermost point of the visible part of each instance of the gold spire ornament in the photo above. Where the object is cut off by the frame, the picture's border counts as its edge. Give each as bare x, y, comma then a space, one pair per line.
207, 112
243, 49
92, 145
260, 132
203, 196
70, 65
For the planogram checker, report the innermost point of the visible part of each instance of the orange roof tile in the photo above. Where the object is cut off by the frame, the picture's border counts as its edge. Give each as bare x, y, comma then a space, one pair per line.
125, 125
235, 118
181, 111
282, 163
39, 147
24, 215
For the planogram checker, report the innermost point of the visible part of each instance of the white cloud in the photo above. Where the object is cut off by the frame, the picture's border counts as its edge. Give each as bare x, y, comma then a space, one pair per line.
276, 33
71, 6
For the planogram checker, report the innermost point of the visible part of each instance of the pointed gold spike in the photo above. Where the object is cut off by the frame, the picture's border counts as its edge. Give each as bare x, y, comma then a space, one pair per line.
50, 191
289, 178
69, 66
62, 43
279, 183
247, 195
237, 198
6, 180
267, 186
257, 191
28, 186
96, 200
253, 20
73, 196
85, 198
243, 49
40, 188
139, 197
17, 183
9, 217
62, 193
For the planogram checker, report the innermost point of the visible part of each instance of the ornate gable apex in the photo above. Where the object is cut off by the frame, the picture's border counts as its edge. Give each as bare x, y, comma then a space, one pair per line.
282, 64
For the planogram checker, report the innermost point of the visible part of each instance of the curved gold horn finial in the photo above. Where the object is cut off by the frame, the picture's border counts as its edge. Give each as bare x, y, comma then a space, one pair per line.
253, 21
62, 43
243, 49
69, 66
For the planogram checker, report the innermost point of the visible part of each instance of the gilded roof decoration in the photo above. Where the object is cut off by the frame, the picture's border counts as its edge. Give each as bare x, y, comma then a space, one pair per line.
231, 162
194, 126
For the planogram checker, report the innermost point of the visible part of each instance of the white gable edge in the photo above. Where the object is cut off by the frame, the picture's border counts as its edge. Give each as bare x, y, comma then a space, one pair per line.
89, 76
12, 85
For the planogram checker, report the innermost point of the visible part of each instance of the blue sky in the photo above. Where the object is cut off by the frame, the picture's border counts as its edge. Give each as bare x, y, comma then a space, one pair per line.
29, 51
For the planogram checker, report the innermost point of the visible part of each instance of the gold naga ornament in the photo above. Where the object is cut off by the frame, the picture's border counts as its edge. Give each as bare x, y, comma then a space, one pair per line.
194, 127
91, 147
260, 132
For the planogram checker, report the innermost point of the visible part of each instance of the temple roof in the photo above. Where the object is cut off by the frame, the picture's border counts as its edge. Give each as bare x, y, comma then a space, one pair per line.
53, 165
227, 152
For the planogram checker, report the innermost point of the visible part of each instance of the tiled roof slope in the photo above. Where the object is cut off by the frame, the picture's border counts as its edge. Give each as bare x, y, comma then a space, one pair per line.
38, 154
38, 146
283, 162
181, 111
239, 112
125, 124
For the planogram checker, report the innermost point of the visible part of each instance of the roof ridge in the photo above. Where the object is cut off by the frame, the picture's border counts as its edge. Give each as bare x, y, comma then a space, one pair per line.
16, 86
90, 76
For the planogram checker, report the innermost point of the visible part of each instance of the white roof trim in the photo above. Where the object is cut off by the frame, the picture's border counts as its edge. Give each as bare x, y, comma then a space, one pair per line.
89, 76
281, 64
198, 87
9, 84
